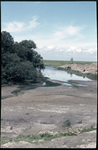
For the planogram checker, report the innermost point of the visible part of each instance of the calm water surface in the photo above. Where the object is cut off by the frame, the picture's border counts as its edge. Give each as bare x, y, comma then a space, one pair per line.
61, 75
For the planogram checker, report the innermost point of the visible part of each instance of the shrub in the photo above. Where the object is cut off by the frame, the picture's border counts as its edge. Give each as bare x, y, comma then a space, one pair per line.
68, 67
66, 123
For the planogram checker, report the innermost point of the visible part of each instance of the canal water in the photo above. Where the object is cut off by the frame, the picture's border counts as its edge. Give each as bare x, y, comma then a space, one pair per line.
61, 75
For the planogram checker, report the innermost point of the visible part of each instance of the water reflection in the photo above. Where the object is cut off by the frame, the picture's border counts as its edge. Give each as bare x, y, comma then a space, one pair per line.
70, 74
61, 75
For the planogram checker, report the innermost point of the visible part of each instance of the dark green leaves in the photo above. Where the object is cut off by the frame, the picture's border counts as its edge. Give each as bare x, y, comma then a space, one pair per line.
19, 60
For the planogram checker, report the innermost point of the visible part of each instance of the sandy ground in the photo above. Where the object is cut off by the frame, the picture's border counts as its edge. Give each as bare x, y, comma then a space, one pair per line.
80, 67
45, 109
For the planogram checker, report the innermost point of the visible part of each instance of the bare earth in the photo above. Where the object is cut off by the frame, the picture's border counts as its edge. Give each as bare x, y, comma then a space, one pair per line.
80, 67
45, 109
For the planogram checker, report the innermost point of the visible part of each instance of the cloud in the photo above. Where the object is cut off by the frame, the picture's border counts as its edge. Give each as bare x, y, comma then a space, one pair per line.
68, 32
33, 23
13, 26
74, 49
20, 26
90, 50
58, 53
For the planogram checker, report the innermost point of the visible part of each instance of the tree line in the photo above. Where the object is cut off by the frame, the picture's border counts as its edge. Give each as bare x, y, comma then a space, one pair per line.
19, 61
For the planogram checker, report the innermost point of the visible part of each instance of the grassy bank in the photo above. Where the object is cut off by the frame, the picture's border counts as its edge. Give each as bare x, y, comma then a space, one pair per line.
57, 63
45, 136
92, 76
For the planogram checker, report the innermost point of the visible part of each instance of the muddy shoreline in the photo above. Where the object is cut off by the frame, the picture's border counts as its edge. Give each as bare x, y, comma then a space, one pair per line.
45, 109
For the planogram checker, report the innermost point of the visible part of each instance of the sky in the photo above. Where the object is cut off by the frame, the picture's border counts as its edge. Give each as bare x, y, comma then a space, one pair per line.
61, 30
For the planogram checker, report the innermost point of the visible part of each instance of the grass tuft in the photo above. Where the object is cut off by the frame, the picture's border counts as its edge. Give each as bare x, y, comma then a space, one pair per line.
66, 123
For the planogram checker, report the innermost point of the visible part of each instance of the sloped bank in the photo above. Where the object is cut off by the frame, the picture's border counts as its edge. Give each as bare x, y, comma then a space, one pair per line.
89, 75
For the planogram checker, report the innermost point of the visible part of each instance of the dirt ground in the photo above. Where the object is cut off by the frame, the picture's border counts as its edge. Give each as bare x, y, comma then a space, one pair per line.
45, 109
92, 68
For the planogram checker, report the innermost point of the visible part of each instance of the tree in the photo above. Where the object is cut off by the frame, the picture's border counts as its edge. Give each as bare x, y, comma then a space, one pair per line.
7, 42
22, 71
20, 61
38, 61
25, 50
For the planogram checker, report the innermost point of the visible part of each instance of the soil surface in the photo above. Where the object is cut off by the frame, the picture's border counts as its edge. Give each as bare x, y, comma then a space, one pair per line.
92, 68
45, 109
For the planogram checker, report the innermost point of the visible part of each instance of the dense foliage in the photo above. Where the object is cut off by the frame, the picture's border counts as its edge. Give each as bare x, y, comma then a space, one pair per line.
19, 61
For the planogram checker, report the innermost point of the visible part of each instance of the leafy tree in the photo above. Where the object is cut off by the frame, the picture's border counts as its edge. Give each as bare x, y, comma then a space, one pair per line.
22, 71
20, 61
28, 44
25, 50
7, 42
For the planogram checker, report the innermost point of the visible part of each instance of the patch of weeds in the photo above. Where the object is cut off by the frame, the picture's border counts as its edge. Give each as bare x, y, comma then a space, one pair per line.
45, 136
66, 123
11, 128
92, 76
28, 138
80, 122
51, 116
5, 139
88, 129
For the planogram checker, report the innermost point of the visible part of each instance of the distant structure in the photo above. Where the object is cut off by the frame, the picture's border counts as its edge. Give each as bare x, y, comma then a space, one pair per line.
71, 60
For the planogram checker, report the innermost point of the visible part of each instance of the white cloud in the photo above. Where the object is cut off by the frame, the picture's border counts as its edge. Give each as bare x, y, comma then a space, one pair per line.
79, 50
58, 53
13, 26
72, 30
71, 49
20, 26
74, 49
33, 23
90, 50
68, 31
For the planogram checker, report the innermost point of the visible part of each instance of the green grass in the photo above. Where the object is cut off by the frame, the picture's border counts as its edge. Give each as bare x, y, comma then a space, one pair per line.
45, 136
92, 76
57, 63
87, 130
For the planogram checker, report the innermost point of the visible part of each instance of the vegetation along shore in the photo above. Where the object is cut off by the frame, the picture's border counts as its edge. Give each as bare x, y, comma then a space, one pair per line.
81, 68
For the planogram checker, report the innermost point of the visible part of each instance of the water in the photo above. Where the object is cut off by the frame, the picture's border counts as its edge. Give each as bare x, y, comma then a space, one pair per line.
61, 75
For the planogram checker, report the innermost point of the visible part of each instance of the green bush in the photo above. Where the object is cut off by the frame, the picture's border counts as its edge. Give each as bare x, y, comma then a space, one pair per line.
66, 123
68, 68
